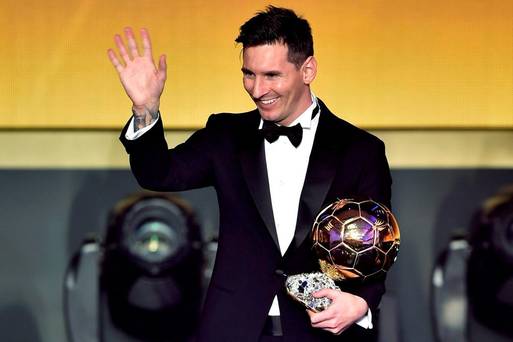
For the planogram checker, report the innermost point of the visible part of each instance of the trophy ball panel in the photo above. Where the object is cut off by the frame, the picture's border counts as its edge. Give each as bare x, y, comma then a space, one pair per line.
370, 261
342, 255
390, 259
329, 232
359, 234
347, 211
374, 212
348, 273
322, 253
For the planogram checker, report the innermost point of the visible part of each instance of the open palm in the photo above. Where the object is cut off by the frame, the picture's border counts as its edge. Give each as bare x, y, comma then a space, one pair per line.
140, 78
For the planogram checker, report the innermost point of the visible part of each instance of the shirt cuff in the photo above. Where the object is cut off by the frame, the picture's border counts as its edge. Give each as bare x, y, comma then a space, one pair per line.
132, 135
366, 321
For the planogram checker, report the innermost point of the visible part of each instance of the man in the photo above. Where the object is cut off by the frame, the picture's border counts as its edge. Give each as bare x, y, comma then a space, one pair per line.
270, 186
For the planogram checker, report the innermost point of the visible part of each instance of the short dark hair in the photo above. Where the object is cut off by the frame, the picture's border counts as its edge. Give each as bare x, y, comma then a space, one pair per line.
279, 25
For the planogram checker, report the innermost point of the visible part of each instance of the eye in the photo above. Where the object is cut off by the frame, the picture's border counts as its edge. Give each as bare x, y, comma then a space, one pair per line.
247, 74
272, 75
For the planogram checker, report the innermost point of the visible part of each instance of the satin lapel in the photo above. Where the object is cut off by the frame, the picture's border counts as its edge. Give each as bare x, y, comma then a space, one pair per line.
319, 177
252, 157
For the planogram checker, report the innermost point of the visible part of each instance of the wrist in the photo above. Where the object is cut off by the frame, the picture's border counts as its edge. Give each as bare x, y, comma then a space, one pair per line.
150, 109
144, 116
361, 305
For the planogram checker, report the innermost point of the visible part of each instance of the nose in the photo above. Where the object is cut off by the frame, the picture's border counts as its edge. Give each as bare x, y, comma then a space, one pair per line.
258, 87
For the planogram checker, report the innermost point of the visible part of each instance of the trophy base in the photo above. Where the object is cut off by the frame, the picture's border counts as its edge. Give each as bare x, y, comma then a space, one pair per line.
301, 286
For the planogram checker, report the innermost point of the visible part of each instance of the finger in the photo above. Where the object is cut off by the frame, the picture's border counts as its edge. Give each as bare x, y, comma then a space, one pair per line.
339, 331
334, 331
320, 317
310, 312
162, 72
328, 293
121, 48
327, 324
318, 294
146, 42
132, 45
114, 60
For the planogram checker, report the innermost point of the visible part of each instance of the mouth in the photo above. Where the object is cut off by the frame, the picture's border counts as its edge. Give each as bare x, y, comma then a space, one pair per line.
267, 102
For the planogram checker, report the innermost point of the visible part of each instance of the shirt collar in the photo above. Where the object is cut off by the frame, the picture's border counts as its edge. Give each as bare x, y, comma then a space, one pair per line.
305, 119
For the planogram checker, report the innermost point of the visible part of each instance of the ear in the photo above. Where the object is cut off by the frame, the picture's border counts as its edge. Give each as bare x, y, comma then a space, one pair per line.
309, 70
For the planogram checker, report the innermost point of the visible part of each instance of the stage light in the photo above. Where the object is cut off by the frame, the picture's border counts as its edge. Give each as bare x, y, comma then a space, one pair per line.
490, 264
152, 232
472, 289
150, 273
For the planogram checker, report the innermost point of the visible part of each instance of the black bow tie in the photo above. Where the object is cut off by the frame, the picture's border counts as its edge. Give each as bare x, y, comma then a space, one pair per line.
272, 132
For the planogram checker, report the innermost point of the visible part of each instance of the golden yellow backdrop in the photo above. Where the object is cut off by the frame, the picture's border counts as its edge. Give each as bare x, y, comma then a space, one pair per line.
382, 64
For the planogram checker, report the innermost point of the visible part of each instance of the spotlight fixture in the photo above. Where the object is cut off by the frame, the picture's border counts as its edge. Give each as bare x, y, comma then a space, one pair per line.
490, 265
152, 268
154, 233
148, 274
472, 282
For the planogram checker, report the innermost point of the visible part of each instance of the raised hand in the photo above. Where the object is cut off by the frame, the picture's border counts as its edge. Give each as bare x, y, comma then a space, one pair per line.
140, 78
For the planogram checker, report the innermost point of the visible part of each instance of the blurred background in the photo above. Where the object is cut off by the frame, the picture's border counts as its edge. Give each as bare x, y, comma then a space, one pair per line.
433, 79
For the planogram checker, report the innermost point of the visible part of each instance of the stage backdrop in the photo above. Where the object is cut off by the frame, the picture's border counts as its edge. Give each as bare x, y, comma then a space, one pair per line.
382, 64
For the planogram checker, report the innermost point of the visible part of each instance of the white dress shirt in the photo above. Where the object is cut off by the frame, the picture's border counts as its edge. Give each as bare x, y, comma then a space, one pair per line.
286, 171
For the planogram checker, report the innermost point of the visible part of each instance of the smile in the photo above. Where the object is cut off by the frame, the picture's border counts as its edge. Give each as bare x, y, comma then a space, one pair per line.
270, 101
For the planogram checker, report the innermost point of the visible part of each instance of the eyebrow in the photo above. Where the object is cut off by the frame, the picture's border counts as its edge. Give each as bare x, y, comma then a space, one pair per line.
269, 73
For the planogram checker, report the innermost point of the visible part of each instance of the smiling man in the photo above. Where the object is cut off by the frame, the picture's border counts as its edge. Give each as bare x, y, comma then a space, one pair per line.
279, 88
273, 168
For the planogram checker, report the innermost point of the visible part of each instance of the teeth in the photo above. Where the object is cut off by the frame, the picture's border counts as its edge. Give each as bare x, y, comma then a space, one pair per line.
267, 102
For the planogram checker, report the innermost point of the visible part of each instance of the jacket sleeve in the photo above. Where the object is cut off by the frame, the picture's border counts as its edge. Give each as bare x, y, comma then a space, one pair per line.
157, 168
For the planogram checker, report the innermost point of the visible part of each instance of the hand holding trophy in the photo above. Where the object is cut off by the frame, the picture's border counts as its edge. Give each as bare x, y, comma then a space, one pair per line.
352, 240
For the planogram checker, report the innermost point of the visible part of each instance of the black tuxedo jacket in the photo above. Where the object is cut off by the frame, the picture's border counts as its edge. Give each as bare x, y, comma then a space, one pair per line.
228, 154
